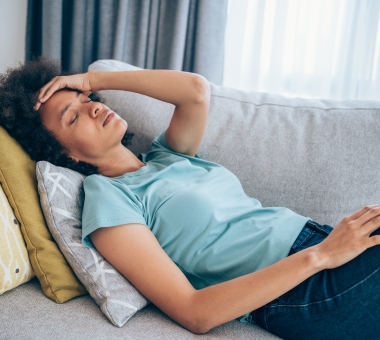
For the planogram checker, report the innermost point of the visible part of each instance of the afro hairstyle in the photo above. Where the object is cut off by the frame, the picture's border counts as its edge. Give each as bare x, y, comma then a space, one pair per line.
19, 87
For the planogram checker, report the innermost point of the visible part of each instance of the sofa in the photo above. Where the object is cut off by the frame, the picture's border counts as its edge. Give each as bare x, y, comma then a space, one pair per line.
317, 157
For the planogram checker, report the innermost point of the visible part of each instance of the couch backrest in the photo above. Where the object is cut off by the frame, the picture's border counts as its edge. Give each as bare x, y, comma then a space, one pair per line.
320, 158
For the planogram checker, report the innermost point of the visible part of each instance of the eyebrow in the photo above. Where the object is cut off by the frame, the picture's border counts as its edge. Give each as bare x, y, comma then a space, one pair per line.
67, 107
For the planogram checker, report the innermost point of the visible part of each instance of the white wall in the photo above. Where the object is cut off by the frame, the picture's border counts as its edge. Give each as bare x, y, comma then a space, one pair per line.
13, 29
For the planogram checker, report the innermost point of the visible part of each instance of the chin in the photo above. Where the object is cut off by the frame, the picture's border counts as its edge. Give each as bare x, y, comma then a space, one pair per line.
122, 120
125, 128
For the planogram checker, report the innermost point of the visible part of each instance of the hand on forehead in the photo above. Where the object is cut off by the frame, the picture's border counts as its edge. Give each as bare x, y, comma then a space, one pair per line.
76, 82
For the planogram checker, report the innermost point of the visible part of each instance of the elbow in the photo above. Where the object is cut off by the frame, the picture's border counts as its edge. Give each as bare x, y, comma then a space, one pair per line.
197, 321
195, 324
200, 332
198, 328
201, 89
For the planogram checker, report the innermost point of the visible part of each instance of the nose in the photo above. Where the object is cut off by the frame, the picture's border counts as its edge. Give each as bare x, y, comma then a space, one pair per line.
95, 109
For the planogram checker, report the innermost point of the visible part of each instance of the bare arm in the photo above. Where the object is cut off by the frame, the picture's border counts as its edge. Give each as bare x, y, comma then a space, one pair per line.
175, 87
189, 92
228, 300
134, 251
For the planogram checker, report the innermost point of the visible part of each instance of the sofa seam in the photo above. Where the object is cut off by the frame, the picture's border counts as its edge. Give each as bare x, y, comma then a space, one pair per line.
272, 104
282, 105
295, 107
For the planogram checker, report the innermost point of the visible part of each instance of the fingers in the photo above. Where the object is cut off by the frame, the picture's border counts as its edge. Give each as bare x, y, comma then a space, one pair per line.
48, 90
373, 241
369, 220
372, 224
41, 95
361, 212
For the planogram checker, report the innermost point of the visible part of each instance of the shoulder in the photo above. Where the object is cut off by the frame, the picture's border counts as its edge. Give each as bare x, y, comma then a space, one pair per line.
159, 144
103, 190
96, 185
95, 181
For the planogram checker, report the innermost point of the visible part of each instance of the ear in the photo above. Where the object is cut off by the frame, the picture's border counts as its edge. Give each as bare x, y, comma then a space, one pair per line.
76, 160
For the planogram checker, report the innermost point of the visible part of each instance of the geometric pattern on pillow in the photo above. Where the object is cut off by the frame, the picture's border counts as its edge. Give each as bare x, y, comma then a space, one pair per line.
62, 197
15, 267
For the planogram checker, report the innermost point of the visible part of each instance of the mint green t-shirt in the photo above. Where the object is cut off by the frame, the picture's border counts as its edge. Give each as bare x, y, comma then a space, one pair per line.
197, 210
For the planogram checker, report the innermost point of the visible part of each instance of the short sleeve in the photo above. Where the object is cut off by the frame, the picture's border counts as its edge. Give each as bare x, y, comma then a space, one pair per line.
159, 144
108, 202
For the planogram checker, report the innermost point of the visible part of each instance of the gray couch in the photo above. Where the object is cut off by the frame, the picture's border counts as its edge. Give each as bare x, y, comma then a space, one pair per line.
319, 158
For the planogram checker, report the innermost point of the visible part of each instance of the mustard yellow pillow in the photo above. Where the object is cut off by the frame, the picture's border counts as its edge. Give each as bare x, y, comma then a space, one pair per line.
19, 182
15, 267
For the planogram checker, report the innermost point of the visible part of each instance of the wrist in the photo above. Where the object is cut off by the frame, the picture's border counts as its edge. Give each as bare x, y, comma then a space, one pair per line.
94, 79
316, 257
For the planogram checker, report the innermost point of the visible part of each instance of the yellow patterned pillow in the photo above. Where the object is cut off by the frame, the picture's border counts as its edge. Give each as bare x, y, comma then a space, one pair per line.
19, 181
15, 267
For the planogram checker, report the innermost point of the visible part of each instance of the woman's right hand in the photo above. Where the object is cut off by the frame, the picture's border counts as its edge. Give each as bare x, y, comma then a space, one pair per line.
350, 237
81, 82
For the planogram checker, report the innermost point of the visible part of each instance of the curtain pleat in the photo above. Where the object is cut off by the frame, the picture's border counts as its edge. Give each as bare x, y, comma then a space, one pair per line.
120, 29
151, 46
204, 33
183, 35
33, 29
52, 18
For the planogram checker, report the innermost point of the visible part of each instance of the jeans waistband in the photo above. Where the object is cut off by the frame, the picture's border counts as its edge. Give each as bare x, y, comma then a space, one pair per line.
307, 232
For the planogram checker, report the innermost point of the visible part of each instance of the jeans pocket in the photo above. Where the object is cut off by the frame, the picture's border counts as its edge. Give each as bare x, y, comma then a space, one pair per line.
324, 229
316, 234
302, 241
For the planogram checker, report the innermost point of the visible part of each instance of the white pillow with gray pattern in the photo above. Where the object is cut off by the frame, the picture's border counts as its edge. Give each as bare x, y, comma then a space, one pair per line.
62, 196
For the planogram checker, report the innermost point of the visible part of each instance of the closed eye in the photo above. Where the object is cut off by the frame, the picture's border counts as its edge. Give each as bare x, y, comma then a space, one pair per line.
76, 116
73, 121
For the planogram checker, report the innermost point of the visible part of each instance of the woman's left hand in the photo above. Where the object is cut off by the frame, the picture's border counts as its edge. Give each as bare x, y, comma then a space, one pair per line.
80, 82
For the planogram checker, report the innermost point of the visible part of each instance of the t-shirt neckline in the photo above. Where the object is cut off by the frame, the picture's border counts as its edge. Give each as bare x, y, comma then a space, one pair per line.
140, 171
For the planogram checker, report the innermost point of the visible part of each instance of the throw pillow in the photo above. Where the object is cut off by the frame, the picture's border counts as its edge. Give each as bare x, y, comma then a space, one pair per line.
15, 267
62, 197
18, 179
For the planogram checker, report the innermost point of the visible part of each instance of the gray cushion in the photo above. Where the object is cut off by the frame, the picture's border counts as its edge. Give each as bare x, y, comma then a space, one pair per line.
316, 157
27, 314
62, 197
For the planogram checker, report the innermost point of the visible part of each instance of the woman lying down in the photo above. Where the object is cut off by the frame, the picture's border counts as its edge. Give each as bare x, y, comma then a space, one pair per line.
209, 253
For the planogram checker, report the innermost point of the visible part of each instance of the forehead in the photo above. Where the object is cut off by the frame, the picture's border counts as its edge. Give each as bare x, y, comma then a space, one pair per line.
56, 103
64, 94
61, 97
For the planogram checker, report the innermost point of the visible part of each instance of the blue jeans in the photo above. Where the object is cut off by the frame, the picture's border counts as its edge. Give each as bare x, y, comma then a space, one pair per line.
339, 303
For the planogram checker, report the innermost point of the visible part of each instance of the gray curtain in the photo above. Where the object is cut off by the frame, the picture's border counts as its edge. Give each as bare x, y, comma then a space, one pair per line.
185, 35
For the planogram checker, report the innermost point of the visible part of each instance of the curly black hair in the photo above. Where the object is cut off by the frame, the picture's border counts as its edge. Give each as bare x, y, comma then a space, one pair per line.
19, 88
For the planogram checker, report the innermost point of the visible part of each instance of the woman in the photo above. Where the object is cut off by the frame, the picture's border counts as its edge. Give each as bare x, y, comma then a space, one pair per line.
179, 228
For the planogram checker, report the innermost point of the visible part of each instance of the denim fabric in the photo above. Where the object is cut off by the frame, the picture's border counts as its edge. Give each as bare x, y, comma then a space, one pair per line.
339, 303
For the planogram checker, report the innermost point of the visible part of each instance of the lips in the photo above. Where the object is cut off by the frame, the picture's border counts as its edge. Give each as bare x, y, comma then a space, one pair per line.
108, 116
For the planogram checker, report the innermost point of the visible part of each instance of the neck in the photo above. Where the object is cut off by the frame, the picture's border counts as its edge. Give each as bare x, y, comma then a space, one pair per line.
118, 162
